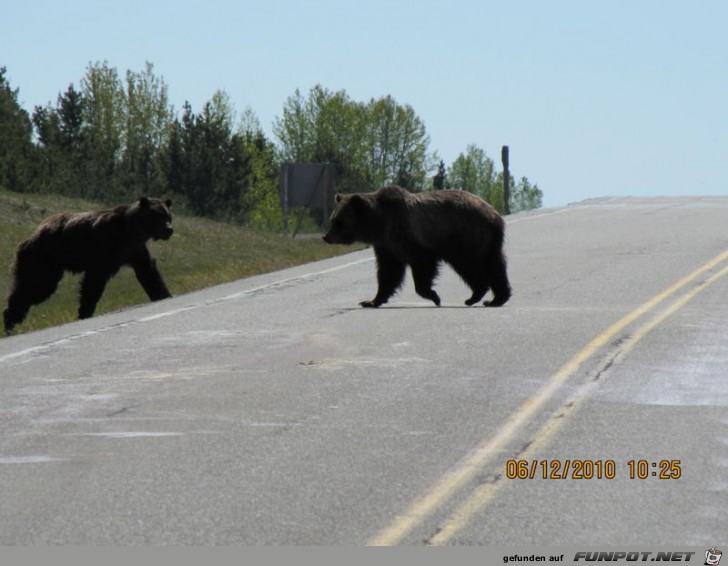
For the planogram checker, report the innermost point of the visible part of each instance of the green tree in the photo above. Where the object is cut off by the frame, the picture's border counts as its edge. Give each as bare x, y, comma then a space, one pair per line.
220, 159
70, 112
50, 163
525, 196
325, 127
15, 138
173, 162
204, 141
103, 119
474, 171
370, 144
261, 203
221, 171
440, 181
60, 158
296, 129
397, 144
147, 125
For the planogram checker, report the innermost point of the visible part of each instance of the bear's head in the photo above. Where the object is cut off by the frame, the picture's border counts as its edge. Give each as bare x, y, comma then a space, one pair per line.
354, 220
154, 218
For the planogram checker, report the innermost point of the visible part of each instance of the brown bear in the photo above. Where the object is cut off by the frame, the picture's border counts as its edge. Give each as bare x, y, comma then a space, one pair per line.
421, 230
96, 244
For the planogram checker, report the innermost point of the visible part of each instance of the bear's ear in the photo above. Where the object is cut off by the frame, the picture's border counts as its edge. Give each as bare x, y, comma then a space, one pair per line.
143, 202
168, 202
358, 202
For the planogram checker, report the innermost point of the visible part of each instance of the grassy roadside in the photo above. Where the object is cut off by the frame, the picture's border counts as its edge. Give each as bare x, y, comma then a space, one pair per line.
201, 253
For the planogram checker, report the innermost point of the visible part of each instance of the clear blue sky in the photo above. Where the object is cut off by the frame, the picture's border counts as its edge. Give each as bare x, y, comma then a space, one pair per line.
594, 98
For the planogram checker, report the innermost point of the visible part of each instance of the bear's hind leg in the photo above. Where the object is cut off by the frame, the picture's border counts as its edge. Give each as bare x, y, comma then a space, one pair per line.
474, 274
14, 314
499, 281
477, 280
31, 286
390, 274
424, 272
475, 297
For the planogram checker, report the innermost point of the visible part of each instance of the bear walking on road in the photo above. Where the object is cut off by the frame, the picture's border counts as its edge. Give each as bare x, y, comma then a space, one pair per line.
421, 230
96, 244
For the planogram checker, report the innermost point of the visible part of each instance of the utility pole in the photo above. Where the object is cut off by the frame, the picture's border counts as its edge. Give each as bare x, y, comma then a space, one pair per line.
506, 181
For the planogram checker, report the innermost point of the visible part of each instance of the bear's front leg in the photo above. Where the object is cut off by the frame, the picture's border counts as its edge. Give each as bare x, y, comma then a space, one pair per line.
390, 274
93, 284
145, 269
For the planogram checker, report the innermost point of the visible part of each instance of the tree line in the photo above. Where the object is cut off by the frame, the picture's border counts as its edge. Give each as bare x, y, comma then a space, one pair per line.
111, 139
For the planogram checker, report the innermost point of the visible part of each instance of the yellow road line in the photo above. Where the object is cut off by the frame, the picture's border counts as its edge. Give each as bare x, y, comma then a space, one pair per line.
486, 492
473, 462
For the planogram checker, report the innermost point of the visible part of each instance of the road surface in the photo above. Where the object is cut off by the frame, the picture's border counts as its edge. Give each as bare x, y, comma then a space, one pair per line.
274, 410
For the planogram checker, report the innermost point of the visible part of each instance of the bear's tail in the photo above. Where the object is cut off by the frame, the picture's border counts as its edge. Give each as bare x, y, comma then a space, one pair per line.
497, 270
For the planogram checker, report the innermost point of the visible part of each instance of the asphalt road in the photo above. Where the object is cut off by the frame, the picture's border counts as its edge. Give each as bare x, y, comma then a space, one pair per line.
273, 410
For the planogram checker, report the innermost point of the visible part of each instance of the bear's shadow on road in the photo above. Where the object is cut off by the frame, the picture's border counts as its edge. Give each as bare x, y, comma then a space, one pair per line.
357, 308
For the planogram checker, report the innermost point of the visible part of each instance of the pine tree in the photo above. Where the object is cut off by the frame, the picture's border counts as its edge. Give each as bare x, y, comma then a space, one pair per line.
15, 138
439, 181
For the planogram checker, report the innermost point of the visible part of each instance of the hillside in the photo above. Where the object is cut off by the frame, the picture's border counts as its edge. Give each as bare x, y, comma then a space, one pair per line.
201, 253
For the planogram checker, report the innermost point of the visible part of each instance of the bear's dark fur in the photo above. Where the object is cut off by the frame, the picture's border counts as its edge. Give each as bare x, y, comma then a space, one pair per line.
96, 244
421, 230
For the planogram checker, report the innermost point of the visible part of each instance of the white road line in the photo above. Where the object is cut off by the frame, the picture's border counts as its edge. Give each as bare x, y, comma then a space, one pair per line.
232, 297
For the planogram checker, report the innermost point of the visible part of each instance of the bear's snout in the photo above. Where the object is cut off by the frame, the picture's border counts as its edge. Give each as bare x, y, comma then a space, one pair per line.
166, 233
332, 237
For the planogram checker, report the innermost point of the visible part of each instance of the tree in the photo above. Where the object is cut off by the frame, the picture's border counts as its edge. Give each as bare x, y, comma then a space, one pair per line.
295, 129
103, 120
525, 196
397, 144
370, 144
439, 181
261, 204
15, 138
172, 159
60, 147
50, 160
113, 140
147, 123
474, 171
70, 113
221, 172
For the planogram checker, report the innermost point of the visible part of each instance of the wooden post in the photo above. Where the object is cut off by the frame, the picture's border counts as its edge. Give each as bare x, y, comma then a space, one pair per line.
506, 181
285, 171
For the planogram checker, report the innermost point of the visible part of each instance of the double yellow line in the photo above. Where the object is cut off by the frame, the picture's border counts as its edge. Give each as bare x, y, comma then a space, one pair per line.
476, 459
